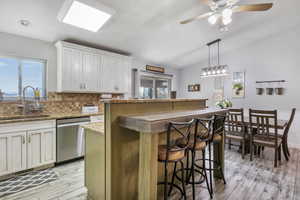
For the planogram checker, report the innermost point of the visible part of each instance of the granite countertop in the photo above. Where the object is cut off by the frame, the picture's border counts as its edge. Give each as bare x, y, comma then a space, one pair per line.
43, 117
95, 127
120, 101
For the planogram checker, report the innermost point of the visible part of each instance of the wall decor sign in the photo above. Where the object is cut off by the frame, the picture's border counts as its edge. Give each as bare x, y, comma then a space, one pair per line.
155, 69
238, 85
194, 88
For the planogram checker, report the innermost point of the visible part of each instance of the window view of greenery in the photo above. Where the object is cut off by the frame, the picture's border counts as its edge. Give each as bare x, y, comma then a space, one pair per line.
15, 74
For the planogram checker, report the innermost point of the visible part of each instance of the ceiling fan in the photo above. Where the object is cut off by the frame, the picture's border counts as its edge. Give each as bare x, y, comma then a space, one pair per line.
222, 10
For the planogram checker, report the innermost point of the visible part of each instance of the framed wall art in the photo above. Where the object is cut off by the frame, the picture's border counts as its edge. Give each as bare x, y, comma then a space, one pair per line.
238, 85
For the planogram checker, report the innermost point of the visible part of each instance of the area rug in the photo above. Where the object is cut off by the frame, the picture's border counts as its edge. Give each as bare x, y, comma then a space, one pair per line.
26, 181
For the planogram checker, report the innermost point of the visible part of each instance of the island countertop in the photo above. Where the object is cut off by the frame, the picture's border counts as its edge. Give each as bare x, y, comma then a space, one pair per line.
127, 101
156, 123
97, 127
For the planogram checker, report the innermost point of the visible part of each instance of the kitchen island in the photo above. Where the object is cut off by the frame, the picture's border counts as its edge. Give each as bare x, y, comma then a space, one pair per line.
133, 129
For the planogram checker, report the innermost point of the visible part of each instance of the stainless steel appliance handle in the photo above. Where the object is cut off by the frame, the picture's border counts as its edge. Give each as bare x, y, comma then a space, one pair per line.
72, 124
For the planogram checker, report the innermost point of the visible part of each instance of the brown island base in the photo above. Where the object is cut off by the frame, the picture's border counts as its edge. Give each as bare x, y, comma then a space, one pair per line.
121, 154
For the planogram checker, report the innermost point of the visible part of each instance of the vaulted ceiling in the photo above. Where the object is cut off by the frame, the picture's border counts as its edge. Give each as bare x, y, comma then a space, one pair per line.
150, 29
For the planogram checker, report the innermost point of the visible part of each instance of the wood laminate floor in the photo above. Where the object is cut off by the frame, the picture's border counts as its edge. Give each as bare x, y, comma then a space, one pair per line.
246, 180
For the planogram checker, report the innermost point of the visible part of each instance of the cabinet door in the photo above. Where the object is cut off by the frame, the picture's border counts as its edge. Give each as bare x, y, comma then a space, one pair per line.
109, 74
41, 147
91, 72
116, 74
18, 151
71, 70
34, 156
49, 146
5, 157
12, 152
124, 76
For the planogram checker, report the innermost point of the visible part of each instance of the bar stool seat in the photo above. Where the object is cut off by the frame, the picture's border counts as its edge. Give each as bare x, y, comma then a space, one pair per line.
174, 154
217, 138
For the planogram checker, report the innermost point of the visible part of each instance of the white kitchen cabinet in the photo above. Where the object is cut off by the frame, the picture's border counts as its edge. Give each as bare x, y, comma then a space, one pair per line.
83, 69
18, 151
5, 157
41, 147
27, 145
70, 70
12, 152
116, 74
91, 72
34, 158
49, 146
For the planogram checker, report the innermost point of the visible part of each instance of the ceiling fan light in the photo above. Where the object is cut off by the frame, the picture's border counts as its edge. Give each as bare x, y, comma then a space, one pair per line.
227, 13
213, 19
226, 20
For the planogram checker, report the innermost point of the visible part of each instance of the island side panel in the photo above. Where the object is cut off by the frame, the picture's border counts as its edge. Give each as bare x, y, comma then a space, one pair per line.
189, 105
95, 164
123, 146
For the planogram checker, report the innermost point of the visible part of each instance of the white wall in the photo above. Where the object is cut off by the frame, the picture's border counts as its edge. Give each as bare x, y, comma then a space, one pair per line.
12, 45
273, 58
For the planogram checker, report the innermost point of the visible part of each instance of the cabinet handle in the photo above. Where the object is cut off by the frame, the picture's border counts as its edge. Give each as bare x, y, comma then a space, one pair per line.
29, 138
23, 139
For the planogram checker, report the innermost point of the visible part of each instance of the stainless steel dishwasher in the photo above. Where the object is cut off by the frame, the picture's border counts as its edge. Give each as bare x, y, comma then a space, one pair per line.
70, 138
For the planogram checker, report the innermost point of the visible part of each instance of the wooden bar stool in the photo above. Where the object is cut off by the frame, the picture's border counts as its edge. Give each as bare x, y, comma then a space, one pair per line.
171, 152
197, 143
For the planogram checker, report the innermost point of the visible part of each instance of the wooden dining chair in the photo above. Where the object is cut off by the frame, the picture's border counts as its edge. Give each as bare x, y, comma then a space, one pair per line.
235, 128
285, 133
264, 132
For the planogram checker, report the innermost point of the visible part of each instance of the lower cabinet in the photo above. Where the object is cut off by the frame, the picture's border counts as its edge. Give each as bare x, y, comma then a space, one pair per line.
41, 147
12, 153
18, 151
30, 148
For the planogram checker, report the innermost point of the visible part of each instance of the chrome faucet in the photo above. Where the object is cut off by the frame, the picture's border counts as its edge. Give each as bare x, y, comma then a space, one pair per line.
29, 107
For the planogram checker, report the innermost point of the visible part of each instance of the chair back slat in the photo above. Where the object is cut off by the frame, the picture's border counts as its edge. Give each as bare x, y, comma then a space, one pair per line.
264, 122
235, 120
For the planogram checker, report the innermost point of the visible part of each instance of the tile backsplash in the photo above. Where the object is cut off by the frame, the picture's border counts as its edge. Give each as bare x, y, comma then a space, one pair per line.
58, 103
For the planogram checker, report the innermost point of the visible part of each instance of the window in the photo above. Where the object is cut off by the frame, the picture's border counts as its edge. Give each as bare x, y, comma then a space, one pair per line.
15, 74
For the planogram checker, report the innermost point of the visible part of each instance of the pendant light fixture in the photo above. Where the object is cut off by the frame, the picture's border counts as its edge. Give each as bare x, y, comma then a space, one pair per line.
214, 70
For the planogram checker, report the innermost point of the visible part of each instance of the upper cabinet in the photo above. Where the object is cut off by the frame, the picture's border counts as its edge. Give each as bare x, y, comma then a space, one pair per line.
83, 69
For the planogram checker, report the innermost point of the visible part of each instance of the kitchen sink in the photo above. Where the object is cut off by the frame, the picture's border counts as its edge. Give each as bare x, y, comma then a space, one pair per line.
16, 117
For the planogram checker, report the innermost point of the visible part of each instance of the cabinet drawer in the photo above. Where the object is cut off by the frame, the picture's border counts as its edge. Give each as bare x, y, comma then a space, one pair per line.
24, 126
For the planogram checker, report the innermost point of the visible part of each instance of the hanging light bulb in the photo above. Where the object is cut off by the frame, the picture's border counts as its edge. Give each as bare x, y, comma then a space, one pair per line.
213, 19
226, 21
227, 13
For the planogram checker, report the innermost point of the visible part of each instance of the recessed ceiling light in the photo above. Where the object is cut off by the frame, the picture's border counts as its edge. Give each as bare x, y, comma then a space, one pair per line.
24, 22
85, 14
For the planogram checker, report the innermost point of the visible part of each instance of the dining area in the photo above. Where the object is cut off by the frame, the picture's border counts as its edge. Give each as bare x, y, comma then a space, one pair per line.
258, 129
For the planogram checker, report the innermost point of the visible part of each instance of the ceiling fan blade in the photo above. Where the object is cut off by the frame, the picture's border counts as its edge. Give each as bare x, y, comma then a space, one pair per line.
253, 7
196, 18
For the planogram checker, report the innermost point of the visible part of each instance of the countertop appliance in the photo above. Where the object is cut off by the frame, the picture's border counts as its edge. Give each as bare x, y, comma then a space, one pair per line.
70, 138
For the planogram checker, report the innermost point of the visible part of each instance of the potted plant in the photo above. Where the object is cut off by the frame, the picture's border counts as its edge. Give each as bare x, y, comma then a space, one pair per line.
238, 87
225, 103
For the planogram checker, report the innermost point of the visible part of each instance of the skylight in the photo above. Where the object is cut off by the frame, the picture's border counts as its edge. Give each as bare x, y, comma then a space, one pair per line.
84, 16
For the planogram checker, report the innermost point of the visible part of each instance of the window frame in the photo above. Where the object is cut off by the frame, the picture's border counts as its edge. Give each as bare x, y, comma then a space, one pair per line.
20, 88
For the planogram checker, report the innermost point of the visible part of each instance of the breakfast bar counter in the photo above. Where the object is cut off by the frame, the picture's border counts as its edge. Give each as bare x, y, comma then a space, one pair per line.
133, 129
